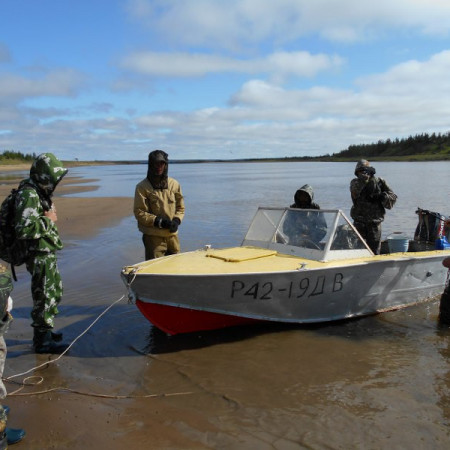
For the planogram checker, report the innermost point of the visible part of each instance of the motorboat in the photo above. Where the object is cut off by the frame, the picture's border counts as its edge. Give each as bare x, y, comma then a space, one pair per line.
293, 266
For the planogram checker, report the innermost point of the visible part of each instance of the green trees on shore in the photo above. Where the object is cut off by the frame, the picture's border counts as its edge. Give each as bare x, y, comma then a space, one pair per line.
9, 156
421, 146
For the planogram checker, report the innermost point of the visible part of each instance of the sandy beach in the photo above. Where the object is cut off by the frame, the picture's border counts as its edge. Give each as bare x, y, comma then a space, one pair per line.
77, 217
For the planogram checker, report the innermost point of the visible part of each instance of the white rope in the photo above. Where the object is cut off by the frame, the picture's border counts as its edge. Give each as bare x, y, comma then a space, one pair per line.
25, 382
67, 349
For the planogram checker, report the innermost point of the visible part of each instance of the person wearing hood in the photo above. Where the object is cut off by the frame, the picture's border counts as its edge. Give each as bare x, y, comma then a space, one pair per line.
159, 208
309, 228
35, 222
371, 196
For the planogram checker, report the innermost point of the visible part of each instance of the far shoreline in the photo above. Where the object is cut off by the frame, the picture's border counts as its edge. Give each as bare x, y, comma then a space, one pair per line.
23, 166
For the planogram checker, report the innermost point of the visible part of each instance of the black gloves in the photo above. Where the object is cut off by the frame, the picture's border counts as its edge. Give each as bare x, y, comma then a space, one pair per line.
369, 171
174, 225
171, 225
161, 222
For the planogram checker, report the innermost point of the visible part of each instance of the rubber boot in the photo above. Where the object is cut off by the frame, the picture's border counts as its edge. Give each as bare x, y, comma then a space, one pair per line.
43, 343
14, 435
57, 337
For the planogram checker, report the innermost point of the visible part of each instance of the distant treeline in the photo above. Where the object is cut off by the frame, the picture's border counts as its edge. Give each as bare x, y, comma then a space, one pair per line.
435, 146
9, 155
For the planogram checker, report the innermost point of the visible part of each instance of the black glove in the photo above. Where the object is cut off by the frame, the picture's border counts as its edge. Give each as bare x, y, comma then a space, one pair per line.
162, 222
174, 225
370, 171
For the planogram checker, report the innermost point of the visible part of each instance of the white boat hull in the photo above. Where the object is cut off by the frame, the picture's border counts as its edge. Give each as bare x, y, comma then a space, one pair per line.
301, 296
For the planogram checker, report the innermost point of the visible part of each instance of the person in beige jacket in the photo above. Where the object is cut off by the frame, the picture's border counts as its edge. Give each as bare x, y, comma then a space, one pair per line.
159, 208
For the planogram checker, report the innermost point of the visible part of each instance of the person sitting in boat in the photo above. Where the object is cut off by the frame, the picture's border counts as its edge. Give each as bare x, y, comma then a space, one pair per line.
371, 197
306, 229
159, 208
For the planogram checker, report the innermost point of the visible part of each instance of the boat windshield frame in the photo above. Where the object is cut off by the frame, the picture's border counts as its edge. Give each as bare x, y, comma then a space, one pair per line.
320, 235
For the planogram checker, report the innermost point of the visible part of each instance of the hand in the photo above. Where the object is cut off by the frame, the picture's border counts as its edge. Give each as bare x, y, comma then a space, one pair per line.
51, 214
174, 225
370, 171
162, 222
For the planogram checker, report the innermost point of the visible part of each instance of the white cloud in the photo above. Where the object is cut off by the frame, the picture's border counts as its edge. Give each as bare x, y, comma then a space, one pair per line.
263, 119
278, 65
57, 83
233, 24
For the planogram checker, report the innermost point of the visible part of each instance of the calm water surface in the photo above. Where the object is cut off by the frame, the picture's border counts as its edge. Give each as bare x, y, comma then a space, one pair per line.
377, 382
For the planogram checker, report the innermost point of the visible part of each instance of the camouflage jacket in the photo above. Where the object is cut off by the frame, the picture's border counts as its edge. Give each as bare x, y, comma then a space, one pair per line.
6, 286
370, 198
33, 200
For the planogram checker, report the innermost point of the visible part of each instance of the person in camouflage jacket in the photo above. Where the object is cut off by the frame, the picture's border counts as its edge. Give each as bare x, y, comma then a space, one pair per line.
35, 218
371, 197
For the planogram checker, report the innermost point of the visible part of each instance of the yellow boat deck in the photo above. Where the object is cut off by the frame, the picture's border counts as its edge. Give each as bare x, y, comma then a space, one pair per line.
251, 260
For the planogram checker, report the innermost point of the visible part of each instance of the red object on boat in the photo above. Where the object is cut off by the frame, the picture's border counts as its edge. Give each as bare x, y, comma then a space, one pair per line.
176, 320
446, 263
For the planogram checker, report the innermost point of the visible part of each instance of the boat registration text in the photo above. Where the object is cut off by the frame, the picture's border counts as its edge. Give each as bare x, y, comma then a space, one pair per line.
306, 287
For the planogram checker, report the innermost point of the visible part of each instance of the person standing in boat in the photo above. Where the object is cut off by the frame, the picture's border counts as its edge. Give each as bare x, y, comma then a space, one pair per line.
159, 208
309, 227
371, 196
35, 217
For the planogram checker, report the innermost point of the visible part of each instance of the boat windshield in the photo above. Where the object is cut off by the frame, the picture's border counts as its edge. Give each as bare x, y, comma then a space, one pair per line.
321, 235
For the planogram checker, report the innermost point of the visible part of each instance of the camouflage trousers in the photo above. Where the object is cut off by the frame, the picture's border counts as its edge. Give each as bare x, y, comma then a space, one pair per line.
46, 289
371, 232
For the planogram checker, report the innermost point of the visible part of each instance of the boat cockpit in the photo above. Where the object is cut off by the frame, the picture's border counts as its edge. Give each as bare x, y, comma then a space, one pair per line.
320, 235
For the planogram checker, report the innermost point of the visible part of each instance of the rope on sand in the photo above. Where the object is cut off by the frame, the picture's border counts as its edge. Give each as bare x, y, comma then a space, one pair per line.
26, 381
50, 361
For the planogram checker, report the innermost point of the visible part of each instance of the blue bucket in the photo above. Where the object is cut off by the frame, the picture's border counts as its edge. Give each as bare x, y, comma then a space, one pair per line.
398, 243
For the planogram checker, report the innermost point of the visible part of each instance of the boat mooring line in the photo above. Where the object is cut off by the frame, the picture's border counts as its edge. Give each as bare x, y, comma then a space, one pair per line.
26, 381
71, 344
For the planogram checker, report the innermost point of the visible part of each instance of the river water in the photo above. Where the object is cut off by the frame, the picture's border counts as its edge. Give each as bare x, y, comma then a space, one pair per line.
376, 382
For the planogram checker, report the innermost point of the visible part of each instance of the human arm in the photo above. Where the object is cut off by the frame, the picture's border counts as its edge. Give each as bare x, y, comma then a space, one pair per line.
387, 196
142, 207
32, 222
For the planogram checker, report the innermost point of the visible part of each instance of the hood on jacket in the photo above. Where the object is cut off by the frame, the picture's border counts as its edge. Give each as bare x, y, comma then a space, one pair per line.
361, 164
158, 181
304, 196
46, 172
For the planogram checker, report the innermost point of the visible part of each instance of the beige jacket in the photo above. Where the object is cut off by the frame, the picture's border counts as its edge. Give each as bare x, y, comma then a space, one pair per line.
150, 203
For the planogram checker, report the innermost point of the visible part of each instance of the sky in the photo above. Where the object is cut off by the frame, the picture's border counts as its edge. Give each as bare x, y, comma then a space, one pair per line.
220, 79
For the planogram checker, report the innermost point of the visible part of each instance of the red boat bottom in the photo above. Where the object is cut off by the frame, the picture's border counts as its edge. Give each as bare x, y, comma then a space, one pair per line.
176, 320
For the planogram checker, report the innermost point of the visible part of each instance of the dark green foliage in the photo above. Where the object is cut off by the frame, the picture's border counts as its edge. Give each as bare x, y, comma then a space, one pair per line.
12, 155
413, 146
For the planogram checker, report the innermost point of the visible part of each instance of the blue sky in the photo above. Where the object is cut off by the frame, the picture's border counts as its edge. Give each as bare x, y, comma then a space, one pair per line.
113, 80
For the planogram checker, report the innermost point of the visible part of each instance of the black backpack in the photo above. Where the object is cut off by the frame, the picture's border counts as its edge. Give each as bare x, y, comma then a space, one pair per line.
12, 250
